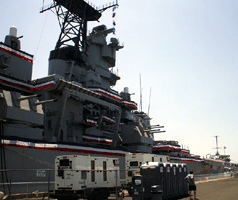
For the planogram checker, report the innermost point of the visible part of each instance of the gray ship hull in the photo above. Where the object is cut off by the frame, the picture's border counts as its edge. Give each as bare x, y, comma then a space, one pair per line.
24, 160
201, 167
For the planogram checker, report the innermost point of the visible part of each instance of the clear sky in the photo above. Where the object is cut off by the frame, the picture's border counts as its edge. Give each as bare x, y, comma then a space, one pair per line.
186, 50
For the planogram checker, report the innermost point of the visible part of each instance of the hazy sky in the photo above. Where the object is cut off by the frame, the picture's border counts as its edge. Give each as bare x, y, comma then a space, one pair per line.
186, 50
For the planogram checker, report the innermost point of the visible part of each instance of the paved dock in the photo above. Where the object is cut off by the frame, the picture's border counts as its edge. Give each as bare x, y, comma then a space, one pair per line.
218, 190
223, 189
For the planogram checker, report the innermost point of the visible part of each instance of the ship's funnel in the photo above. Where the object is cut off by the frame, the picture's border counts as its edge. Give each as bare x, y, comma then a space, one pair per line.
13, 31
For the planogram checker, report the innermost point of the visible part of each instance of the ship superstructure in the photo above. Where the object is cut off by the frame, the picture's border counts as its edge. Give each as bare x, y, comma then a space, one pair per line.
73, 109
180, 154
200, 165
80, 76
88, 63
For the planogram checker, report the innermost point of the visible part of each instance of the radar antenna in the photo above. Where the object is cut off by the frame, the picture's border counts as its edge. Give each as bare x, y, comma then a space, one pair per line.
73, 16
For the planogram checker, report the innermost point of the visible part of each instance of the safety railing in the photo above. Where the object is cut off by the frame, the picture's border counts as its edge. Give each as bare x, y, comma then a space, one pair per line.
26, 181
41, 182
211, 177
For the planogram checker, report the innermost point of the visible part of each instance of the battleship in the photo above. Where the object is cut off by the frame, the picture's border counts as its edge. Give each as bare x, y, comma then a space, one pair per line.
200, 165
74, 109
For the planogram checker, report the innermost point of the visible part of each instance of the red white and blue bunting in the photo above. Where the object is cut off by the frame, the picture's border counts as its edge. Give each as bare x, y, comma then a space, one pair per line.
118, 99
62, 147
166, 147
16, 53
26, 86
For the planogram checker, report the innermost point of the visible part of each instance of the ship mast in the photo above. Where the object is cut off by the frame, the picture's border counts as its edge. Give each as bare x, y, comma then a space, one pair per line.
149, 102
217, 154
73, 16
140, 95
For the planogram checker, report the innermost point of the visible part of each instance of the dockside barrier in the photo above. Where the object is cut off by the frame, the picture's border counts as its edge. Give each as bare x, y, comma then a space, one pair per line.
210, 177
39, 182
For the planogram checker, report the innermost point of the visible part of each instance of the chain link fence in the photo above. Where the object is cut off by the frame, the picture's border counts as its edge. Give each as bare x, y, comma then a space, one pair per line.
26, 182
29, 183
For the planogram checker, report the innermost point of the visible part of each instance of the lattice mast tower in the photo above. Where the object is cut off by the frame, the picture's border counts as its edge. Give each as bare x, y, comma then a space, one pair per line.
73, 16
